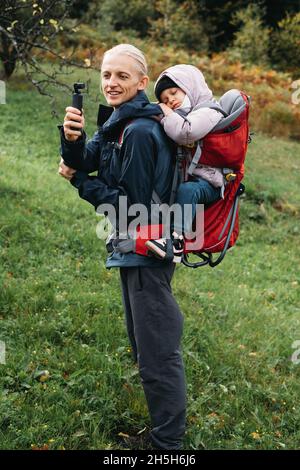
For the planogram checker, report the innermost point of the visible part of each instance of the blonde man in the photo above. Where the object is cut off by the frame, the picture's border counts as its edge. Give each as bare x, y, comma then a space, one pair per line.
142, 164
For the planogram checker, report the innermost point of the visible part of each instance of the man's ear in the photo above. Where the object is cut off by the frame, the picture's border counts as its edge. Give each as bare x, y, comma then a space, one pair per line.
143, 82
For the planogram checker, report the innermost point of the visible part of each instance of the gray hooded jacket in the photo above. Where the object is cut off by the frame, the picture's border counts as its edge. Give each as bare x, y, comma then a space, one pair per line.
194, 125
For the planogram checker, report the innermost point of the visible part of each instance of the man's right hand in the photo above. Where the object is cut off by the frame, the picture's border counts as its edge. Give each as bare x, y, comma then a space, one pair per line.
74, 119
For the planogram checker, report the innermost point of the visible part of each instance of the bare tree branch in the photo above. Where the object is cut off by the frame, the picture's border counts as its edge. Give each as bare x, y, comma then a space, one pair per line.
27, 31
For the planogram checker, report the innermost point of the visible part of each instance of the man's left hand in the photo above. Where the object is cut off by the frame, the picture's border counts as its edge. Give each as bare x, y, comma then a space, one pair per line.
65, 171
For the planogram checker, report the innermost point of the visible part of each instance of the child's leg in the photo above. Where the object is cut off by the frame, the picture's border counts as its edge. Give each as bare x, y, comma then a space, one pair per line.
193, 193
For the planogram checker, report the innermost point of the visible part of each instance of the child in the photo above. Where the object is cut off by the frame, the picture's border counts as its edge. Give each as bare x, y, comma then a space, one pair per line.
180, 89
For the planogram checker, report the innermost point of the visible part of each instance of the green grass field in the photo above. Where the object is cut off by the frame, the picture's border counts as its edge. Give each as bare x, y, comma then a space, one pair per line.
61, 310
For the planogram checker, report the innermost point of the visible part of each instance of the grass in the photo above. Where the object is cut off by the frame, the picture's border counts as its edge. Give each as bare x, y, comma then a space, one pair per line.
61, 310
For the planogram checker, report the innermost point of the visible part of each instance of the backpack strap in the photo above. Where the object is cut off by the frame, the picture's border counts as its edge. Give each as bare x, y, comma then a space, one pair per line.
211, 105
121, 136
196, 158
178, 173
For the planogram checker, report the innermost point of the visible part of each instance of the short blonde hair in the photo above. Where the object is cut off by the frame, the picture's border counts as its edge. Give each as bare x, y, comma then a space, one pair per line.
131, 51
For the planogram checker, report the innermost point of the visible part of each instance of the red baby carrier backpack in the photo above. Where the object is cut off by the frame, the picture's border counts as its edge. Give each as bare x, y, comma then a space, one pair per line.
224, 147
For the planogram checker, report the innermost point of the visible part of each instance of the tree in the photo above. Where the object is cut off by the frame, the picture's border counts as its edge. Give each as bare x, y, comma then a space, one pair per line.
285, 51
178, 23
251, 40
217, 15
120, 15
26, 28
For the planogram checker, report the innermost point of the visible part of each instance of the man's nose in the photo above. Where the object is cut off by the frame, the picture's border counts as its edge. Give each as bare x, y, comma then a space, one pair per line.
112, 81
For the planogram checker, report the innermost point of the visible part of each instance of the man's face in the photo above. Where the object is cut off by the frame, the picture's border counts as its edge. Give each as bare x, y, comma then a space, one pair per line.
121, 79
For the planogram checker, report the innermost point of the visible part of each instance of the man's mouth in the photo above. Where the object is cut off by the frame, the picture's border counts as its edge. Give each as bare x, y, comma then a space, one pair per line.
114, 93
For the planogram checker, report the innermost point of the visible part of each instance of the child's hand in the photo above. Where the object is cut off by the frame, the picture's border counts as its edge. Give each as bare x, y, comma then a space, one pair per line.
165, 109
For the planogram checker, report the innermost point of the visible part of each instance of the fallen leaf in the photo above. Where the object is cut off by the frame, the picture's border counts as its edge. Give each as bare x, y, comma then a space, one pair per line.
35, 447
42, 375
79, 434
142, 430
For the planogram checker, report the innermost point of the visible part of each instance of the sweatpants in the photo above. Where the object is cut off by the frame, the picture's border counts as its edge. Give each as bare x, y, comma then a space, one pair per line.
154, 325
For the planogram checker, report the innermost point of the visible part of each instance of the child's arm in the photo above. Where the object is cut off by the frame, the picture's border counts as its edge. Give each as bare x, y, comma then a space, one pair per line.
188, 129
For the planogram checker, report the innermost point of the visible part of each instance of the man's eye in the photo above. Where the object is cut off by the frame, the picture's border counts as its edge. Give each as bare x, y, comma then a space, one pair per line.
123, 77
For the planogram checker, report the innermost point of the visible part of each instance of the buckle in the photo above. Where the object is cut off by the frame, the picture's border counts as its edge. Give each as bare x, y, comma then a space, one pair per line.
190, 146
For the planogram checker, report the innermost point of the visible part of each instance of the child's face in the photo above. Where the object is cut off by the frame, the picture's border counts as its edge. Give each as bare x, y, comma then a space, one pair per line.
172, 97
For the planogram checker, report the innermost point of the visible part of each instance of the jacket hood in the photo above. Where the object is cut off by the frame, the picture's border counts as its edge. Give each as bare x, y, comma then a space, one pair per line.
138, 107
191, 81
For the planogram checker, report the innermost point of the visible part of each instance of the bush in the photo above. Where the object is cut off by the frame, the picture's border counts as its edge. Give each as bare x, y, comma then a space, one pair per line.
285, 51
179, 25
251, 41
132, 16
272, 111
278, 119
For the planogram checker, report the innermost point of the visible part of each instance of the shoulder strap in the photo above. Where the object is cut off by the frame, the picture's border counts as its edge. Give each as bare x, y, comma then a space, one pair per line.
177, 176
195, 159
198, 152
121, 136
211, 105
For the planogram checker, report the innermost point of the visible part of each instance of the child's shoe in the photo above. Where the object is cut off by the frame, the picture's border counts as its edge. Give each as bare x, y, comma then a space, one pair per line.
162, 249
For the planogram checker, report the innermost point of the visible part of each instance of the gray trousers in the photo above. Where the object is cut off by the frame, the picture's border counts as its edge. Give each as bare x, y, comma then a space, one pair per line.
154, 325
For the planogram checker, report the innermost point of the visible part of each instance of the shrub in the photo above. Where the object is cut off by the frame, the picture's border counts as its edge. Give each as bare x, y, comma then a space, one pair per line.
251, 41
278, 119
134, 16
271, 109
285, 51
179, 24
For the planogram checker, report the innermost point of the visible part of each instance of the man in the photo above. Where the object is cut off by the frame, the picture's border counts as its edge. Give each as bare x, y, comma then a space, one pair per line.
141, 165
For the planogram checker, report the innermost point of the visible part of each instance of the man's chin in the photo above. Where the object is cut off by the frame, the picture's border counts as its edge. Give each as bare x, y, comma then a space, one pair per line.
117, 101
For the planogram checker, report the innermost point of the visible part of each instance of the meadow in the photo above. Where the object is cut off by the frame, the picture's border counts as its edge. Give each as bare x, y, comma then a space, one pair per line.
61, 310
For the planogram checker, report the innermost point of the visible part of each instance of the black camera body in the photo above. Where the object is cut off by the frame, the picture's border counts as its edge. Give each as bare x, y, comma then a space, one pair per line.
77, 98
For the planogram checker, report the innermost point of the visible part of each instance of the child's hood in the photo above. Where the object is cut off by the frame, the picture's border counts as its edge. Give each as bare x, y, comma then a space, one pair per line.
191, 81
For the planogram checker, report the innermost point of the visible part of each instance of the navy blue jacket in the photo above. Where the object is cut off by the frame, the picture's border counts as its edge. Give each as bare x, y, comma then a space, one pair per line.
144, 163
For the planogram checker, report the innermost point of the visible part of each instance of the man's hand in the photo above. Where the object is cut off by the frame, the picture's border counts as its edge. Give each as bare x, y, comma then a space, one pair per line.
66, 171
74, 119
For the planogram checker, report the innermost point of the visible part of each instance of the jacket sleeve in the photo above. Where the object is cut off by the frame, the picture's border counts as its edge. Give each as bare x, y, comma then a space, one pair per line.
188, 129
136, 176
80, 154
